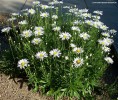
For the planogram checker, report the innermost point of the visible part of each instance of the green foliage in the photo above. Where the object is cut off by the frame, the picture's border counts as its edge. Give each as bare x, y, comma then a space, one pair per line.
57, 76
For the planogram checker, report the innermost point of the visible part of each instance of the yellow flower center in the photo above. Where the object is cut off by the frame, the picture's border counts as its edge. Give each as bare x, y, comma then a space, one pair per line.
36, 41
65, 36
45, 15
102, 43
41, 55
23, 64
39, 33
78, 50
39, 29
78, 61
84, 35
55, 53
26, 34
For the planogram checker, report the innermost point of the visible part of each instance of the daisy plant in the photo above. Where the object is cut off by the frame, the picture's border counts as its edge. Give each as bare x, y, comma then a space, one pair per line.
63, 51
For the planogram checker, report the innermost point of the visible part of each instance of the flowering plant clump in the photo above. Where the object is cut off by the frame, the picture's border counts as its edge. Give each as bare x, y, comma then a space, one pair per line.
62, 50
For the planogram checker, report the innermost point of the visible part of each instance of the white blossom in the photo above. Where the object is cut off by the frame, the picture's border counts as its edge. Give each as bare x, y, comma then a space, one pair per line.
109, 60
106, 41
55, 53
65, 36
57, 28
44, 6
41, 55
7, 29
98, 12
31, 11
26, 33
23, 63
44, 15
78, 62
85, 36
22, 22
78, 50
54, 17
36, 41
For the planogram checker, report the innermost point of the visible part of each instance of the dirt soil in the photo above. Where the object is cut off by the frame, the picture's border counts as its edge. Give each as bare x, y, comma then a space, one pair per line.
9, 90
3, 18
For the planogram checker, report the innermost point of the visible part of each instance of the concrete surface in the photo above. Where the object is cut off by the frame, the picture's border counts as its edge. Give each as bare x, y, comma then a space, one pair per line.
9, 6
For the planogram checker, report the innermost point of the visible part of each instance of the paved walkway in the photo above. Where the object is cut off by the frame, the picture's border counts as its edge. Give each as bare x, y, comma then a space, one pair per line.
9, 6
109, 7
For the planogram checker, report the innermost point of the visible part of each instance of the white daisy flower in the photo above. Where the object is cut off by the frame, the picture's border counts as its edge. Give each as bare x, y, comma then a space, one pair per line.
38, 28
57, 28
31, 11
78, 50
36, 2
96, 17
7, 29
106, 49
55, 2
22, 22
75, 28
36, 41
89, 22
12, 19
38, 33
60, 2
112, 31
103, 27
86, 15
66, 57
54, 24
15, 14
44, 6
76, 22
109, 60
54, 17
26, 33
23, 63
72, 45
78, 62
102, 42
55, 53
105, 34
98, 12
85, 36
41, 55
65, 36
83, 10
106, 41
109, 40
44, 15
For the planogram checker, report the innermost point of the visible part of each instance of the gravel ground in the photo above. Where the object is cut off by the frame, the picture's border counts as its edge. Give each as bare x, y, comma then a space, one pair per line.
9, 90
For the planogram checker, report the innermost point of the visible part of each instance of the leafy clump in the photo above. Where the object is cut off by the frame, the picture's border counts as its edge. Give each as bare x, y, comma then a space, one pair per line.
63, 51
